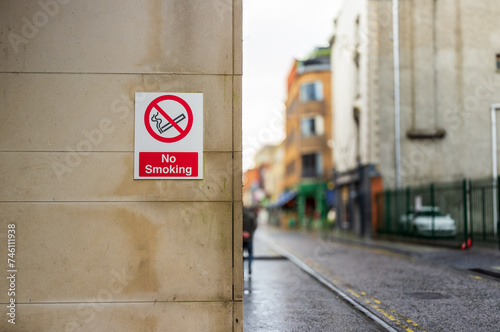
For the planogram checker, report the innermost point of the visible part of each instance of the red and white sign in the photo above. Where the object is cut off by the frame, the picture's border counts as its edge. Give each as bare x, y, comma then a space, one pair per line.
168, 136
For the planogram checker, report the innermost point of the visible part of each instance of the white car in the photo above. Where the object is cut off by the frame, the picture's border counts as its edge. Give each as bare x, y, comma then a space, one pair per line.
429, 221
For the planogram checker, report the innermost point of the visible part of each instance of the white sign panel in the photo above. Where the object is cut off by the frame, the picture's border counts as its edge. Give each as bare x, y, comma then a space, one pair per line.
168, 136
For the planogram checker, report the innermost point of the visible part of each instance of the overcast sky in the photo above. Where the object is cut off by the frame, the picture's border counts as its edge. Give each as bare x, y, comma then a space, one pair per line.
275, 32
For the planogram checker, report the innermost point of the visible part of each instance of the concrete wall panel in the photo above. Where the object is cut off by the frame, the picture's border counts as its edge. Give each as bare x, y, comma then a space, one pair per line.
105, 177
237, 114
238, 314
238, 37
130, 317
238, 177
62, 111
190, 36
238, 251
155, 251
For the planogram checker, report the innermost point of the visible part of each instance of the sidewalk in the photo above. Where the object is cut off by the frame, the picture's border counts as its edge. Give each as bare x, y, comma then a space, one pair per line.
477, 259
261, 248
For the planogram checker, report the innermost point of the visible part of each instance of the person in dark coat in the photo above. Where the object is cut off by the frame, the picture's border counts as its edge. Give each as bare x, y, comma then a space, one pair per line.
249, 226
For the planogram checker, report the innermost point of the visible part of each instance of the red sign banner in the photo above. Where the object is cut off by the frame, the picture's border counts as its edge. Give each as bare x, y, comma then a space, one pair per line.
168, 164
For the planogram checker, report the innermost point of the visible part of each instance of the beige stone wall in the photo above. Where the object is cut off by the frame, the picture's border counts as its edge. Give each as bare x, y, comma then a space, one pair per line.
448, 82
96, 249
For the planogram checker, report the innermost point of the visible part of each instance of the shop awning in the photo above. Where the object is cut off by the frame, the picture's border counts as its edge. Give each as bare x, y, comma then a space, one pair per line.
284, 198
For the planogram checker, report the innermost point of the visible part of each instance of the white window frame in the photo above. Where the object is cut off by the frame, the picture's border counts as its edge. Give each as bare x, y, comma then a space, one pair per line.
311, 91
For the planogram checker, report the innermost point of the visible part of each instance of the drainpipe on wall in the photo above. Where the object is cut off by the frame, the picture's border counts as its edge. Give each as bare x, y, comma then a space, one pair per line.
494, 107
397, 110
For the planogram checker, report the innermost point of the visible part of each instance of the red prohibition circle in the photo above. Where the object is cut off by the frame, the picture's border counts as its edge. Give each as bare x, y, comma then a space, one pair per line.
182, 132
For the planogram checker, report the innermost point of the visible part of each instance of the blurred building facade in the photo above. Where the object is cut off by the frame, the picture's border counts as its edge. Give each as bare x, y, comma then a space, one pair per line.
308, 154
264, 183
274, 171
251, 183
450, 77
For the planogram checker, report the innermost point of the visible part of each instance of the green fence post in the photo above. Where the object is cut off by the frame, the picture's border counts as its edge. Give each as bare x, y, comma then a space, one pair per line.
407, 223
432, 209
498, 204
472, 204
387, 211
464, 195
483, 215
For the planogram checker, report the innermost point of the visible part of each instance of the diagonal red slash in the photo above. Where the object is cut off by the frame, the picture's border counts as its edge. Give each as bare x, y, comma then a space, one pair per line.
182, 133
169, 119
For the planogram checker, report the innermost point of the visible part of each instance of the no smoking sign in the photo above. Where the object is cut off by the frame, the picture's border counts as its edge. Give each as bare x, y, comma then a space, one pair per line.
168, 136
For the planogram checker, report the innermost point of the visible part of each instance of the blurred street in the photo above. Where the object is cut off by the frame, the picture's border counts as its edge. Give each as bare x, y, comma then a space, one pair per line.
409, 287
279, 296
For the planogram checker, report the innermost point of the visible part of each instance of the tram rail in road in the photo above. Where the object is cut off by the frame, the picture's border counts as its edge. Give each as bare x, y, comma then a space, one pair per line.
329, 285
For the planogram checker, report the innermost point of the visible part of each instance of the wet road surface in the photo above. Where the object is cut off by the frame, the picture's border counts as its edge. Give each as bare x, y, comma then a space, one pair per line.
281, 297
408, 292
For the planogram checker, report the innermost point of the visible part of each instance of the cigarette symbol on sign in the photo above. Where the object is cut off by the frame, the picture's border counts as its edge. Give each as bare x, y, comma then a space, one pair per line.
166, 127
170, 113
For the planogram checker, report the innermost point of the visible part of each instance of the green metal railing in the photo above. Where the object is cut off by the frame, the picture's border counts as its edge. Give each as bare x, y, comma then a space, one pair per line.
454, 214
481, 201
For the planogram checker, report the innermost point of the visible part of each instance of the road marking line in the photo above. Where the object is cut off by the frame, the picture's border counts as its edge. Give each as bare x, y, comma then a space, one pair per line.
311, 267
297, 261
353, 293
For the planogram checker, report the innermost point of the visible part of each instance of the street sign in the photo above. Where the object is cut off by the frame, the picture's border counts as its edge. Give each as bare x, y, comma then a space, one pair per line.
168, 136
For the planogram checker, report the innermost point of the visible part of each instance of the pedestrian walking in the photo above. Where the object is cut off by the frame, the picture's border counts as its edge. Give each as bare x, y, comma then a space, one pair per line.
249, 226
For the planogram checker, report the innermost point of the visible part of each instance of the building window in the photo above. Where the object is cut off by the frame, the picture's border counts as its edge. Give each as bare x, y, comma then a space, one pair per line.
311, 91
312, 126
498, 62
312, 165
